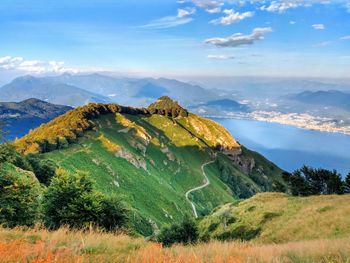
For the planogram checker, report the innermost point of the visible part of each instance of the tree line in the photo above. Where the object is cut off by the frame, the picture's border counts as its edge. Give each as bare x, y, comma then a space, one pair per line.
308, 181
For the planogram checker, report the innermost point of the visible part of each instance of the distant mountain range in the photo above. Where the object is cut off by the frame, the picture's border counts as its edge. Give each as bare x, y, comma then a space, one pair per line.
226, 105
134, 91
331, 98
77, 90
23, 116
49, 90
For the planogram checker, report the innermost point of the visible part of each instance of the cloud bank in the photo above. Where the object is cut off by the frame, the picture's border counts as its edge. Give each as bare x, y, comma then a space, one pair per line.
33, 66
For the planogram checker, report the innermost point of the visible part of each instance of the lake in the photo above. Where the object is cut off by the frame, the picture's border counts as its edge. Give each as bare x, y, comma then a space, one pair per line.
290, 147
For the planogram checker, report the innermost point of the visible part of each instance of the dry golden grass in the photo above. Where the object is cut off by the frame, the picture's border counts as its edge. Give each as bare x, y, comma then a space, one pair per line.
63, 245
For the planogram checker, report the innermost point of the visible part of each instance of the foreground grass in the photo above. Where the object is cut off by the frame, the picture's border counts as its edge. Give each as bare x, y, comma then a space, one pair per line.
41, 246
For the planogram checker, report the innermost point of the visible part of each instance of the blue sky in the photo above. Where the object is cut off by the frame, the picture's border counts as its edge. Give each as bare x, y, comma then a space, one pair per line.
170, 38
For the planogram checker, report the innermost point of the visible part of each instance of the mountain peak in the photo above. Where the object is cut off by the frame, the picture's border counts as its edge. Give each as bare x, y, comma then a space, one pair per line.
32, 101
25, 78
167, 106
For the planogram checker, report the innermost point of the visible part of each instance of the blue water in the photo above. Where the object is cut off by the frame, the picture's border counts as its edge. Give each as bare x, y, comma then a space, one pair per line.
290, 147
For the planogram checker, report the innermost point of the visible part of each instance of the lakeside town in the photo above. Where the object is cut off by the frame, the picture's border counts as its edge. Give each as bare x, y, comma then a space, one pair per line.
300, 120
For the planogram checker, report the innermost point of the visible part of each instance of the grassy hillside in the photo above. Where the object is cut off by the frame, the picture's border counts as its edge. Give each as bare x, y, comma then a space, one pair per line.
152, 160
64, 246
278, 218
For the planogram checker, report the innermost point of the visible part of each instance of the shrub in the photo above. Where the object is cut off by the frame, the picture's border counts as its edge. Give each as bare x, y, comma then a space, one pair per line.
9, 154
72, 200
183, 233
20, 195
114, 214
44, 169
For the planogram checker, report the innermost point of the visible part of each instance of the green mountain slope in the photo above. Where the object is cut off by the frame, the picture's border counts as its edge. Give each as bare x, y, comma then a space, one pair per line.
278, 218
152, 157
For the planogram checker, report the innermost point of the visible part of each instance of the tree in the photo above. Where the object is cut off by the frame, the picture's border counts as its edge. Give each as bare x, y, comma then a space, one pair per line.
2, 132
72, 200
9, 154
184, 233
347, 184
20, 195
114, 214
44, 169
296, 183
309, 181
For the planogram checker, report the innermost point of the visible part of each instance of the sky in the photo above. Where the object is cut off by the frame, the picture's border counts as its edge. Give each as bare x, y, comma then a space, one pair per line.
307, 38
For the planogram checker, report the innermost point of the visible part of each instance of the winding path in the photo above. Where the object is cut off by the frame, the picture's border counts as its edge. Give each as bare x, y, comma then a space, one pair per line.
207, 182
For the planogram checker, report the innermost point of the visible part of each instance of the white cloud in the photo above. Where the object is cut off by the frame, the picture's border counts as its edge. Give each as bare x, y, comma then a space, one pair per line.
276, 6
239, 39
345, 38
318, 26
168, 22
280, 6
33, 66
183, 12
231, 17
221, 57
292, 22
211, 6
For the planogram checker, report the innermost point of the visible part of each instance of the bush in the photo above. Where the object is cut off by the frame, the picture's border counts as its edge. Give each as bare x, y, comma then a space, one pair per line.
20, 195
8, 154
183, 233
72, 200
114, 214
44, 169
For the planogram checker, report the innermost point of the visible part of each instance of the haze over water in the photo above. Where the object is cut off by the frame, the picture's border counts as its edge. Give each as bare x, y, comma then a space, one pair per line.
290, 147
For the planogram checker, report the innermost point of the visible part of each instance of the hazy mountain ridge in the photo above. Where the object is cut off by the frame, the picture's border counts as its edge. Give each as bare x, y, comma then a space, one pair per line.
330, 98
20, 117
45, 89
96, 87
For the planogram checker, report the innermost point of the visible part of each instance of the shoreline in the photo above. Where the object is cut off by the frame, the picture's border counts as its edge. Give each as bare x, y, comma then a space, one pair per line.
315, 127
